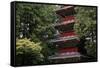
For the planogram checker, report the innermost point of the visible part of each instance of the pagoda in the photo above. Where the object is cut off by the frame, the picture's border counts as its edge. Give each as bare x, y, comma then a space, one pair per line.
67, 40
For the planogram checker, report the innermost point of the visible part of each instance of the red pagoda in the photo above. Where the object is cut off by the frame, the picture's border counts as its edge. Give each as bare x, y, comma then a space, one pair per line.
67, 41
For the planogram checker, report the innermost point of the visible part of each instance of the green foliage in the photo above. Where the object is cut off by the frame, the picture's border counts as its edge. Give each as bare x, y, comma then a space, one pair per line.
38, 16
28, 52
86, 20
86, 26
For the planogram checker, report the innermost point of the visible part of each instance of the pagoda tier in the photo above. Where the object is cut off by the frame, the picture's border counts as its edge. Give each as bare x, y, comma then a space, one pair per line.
69, 33
65, 24
68, 43
61, 39
65, 11
65, 60
65, 27
67, 18
64, 34
65, 55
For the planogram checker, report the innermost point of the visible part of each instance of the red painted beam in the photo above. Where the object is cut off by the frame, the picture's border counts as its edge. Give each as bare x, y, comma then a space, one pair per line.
68, 49
68, 18
70, 33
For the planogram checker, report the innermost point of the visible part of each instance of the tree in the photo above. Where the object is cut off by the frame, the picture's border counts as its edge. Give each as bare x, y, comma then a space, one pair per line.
27, 52
32, 21
34, 17
86, 26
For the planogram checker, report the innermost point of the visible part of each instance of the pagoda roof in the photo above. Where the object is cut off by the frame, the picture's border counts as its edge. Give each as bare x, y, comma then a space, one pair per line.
68, 43
65, 28
64, 39
64, 23
66, 55
67, 10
